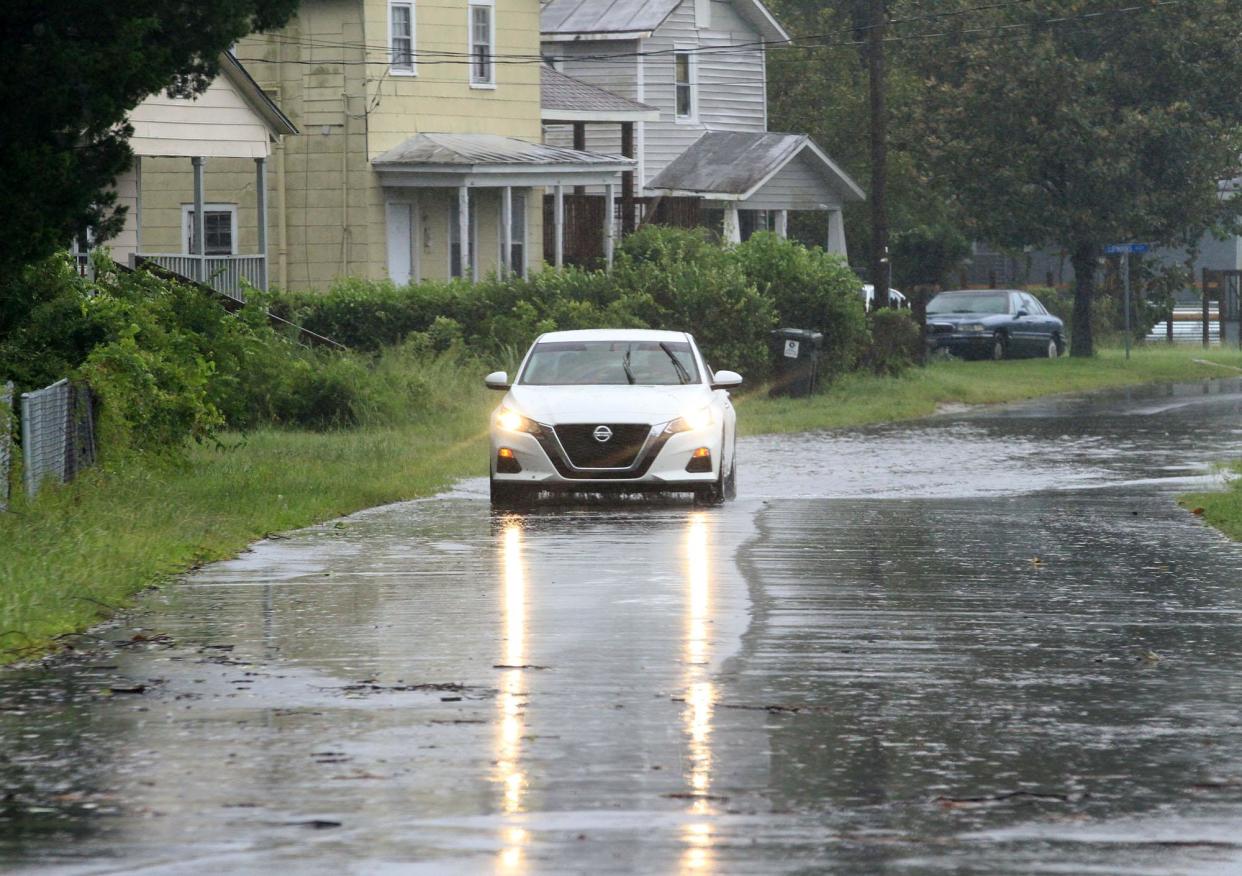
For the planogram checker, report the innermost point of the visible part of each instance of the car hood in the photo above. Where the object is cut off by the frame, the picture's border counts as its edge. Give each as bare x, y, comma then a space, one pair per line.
607, 404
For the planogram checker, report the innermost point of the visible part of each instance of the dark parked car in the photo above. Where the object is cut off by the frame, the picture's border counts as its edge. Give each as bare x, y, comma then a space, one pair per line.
993, 323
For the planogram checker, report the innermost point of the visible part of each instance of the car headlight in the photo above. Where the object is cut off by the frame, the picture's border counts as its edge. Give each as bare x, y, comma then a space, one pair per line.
511, 421
691, 422
973, 327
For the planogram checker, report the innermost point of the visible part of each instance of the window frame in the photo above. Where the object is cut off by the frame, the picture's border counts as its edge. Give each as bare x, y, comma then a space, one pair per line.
187, 229
393, 68
691, 84
519, 240
490, 6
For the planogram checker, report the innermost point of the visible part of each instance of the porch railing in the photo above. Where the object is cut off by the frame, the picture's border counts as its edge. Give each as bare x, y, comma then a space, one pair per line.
223, 273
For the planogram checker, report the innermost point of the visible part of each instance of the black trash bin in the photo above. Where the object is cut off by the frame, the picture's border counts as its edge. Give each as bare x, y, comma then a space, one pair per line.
795, 361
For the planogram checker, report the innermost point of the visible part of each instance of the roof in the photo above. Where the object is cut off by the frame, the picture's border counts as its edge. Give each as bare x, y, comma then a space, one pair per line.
733, 165
260, 101
566, 99
613, 335
463, 151
634, 19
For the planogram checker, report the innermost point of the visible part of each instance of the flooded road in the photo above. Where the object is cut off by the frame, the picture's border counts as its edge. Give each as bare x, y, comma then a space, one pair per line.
983, 643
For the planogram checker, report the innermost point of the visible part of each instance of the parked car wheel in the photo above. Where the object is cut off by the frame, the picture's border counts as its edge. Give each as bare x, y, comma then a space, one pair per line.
1000, 346
1054, 349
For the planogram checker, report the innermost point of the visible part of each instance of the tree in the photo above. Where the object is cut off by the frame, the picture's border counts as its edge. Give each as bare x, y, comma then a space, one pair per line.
74, 69
1077, 124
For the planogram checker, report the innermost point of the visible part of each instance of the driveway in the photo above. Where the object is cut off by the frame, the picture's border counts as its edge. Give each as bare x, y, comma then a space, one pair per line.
988, 642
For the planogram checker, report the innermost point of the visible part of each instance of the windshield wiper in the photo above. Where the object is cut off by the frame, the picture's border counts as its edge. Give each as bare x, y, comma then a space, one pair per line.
683, 375
625, 364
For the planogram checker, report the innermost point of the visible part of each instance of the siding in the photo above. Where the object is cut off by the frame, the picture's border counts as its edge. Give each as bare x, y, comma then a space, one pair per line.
731, 89
798, 186
217, 123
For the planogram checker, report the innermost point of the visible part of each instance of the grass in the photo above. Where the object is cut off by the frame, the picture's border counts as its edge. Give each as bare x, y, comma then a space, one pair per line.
1223, 508
860, 399
76, 554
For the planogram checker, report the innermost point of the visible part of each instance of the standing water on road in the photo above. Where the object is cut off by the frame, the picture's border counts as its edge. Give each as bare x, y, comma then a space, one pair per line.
985, 643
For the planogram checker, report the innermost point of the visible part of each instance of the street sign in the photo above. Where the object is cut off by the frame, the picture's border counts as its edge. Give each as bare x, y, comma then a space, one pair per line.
1118, 248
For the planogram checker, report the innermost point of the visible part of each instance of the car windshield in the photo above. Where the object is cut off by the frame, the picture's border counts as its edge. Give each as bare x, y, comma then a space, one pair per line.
969, 302
610, 363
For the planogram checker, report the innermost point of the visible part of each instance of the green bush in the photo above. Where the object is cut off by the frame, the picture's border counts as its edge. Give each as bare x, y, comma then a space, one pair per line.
895, 342
813, 290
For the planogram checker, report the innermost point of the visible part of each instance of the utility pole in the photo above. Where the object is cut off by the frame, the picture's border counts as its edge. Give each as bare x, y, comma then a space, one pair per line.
880, 267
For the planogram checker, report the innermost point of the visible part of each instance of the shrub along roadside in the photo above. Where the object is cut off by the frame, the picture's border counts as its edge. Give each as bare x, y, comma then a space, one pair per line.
69, 559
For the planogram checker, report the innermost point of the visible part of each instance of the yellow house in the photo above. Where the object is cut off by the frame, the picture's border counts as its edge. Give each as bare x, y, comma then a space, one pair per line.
420, 127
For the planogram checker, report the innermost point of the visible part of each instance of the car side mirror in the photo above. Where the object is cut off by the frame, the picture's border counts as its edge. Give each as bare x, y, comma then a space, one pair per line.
1020, 314
726, 379
497, 380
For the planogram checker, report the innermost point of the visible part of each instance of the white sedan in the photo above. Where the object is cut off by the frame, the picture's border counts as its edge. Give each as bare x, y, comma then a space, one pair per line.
614, 410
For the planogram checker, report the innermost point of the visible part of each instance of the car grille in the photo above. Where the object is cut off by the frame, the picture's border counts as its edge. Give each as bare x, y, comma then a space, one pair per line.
940, 328
619, 451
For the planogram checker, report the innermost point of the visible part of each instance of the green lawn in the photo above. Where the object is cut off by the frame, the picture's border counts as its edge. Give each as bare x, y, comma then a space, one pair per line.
78, 553
1222, 509
860, 399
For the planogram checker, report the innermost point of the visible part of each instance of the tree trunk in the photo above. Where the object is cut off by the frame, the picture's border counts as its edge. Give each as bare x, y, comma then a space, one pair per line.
1081, 337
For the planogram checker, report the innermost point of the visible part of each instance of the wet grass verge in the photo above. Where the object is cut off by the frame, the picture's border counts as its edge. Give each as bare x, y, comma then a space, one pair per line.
859, 399
1222, 508
77, 554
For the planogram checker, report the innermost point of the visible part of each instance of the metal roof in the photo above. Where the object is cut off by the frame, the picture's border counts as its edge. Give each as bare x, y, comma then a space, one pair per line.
565, 98
605, 16
472, 150
630, 19
736, 164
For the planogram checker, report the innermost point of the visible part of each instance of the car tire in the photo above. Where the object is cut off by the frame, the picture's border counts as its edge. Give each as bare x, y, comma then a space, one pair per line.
507, 496
1054, 349
1000, 347
730, 484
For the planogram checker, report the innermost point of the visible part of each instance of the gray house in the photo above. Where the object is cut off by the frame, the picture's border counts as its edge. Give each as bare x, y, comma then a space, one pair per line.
701, 66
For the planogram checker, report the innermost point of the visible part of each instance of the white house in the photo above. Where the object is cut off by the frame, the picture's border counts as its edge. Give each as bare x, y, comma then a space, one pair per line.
701, 65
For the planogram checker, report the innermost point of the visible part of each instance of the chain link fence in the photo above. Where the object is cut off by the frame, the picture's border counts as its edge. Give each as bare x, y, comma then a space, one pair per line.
58, 433
6, 442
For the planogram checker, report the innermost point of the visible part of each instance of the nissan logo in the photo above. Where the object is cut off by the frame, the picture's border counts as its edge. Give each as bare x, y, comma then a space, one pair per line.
602, 434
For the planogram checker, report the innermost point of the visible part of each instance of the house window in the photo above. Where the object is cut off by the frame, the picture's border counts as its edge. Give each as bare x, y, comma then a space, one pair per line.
219, 229
683, 65
482, 70
455, 238
517, 252
401, 37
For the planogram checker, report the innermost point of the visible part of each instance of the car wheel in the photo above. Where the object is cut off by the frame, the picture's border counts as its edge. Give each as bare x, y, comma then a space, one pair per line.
711, 494
507, 495
1054, 349
730, 484
1000, 347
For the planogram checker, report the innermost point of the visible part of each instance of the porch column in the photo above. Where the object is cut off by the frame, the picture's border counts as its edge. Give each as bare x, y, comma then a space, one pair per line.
463, 232
260, 203
137, 208
836, 232
627, 179
610, 200
506, 225
580, 145
782, 224
732, 224
558, 220
198, 234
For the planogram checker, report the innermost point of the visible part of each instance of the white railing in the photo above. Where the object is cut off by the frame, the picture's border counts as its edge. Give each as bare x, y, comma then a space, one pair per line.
223, 273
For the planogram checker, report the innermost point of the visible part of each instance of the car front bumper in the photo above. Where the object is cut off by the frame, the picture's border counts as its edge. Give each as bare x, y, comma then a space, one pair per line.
961, 343
659, 466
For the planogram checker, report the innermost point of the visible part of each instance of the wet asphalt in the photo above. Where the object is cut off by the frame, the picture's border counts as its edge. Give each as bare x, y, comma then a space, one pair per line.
988, 642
